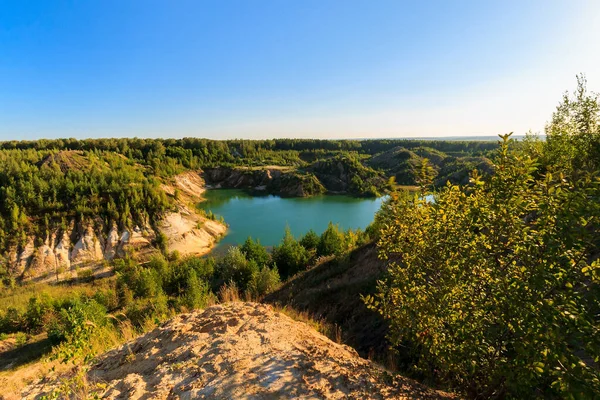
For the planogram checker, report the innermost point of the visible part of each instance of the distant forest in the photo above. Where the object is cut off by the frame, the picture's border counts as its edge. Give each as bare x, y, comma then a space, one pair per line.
47, 184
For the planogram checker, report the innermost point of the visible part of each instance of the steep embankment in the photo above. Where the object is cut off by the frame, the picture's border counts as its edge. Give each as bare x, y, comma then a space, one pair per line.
341, 174
87, 244
237, 350
283, 181
332, 290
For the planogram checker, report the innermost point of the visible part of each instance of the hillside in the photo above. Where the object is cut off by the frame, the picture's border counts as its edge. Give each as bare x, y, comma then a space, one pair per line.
404, 165
331, 291
73, 242
236, 350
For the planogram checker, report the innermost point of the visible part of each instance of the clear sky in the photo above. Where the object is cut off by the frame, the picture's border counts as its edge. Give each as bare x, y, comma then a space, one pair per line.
303, 68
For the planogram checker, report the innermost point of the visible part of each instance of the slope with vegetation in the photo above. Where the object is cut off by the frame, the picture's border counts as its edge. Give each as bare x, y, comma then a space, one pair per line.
64, 211
76, 323
67, 204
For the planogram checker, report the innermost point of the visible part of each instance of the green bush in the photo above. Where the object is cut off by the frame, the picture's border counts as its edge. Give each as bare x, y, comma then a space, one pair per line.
256, 252
20, 339
290, 257
197, 292
332, 241
204, 267
149, 284
108, 298
234, 267
37, 310
494, 282
76, 323
141, 310
12, 321
265, 281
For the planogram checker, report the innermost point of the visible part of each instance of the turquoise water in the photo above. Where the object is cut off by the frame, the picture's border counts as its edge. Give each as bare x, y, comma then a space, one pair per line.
265, 217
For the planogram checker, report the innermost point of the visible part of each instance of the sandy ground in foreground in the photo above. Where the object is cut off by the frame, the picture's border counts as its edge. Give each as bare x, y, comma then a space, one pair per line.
241, 351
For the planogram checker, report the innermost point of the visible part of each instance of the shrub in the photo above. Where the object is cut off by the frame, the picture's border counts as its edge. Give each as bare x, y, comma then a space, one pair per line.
265, 281
204, 267
37, 310
290, 257
140, 310
234, 267
256, 252
75, 326
20, 339
108, 298
332, 241
197, 292
149, 284
494, 283
160, 264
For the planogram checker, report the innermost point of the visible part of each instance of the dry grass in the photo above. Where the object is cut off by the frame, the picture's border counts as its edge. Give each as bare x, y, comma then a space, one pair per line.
332, 331
72, 376
229, 293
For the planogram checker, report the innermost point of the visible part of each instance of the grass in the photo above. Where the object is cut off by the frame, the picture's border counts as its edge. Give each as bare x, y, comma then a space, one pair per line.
19, 296
332, 331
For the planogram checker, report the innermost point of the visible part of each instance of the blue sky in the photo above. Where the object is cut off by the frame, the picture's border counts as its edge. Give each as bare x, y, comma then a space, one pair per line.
256, 69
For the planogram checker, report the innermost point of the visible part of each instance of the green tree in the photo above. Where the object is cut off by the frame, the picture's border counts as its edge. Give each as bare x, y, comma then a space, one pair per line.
496, 283
573, 135
256, 252
290, 257
310, 240
332, 241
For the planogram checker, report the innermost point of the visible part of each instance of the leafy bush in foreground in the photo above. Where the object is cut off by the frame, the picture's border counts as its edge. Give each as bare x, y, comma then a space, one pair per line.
495, 283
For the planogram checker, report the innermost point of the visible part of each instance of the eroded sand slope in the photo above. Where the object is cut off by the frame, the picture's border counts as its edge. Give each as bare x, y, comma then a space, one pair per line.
240, 351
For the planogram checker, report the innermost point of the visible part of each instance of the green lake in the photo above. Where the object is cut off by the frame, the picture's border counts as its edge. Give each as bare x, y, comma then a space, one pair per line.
265, 217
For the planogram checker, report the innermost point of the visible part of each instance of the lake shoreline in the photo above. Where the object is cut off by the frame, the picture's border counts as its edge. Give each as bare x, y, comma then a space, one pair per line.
265, 216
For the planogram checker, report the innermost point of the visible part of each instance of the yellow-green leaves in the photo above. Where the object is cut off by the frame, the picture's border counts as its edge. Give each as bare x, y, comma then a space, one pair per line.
491, 276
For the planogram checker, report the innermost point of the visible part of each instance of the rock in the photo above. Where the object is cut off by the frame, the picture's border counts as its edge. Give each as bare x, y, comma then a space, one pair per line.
87, 249
61, 252
112, 243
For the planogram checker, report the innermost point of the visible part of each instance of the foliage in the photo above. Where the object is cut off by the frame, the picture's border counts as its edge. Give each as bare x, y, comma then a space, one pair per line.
265, 281
310, 240
494, 283
346, 173
332, 241
290, 256
75, 325
573, 135
254, 251
234, 267
41, 190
